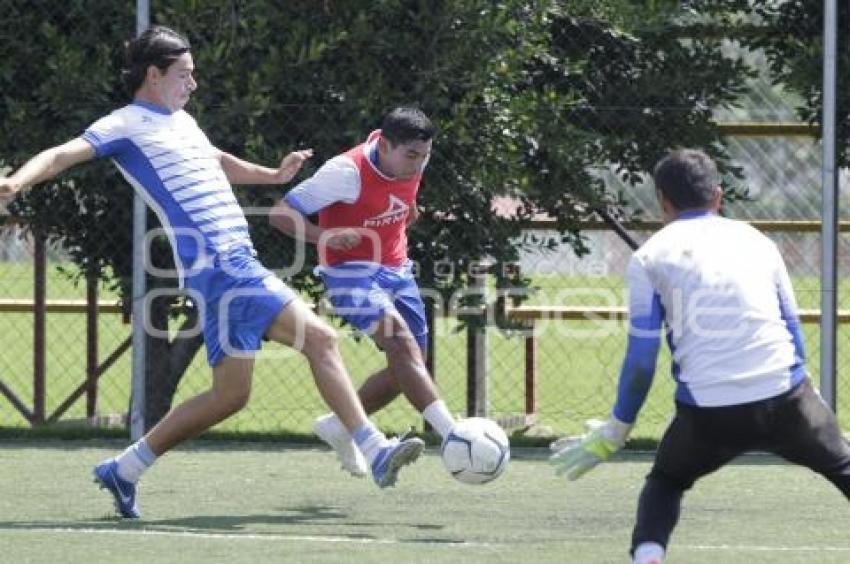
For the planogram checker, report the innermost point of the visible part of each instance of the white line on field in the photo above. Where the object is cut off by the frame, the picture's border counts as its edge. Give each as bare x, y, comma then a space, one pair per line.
249, 536
757, 548
385, 541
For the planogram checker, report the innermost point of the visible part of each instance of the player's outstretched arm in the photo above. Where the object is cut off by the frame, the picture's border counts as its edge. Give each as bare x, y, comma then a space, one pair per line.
239, 171
575, 456
293, 223
44, 166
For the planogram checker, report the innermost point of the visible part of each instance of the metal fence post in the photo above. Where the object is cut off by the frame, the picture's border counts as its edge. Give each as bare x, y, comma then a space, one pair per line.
137, 409
39, 386
91, 345
477, 382
829, 227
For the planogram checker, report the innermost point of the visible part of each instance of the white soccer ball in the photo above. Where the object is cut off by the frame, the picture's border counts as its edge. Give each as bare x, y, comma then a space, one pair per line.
476, 450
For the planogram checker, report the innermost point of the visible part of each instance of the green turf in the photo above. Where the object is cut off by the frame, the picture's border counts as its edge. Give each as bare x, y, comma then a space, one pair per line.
214, 502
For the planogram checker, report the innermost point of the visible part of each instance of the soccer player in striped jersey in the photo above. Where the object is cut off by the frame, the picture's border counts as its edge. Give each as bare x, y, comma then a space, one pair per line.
722, 290
187, 181
365, 199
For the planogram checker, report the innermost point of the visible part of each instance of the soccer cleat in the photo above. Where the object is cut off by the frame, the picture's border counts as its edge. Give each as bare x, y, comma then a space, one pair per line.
124, 492
392, 457
334, 434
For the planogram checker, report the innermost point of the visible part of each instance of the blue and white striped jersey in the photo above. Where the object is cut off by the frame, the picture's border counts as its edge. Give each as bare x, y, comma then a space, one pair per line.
176, 169
722, 290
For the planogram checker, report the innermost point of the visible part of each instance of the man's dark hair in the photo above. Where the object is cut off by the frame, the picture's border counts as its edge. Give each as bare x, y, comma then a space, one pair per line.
157, 46
405, 124
687, 178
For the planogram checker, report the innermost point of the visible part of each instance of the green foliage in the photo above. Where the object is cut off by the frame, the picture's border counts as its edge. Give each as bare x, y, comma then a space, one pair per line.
59, 72
532, 100
623, 92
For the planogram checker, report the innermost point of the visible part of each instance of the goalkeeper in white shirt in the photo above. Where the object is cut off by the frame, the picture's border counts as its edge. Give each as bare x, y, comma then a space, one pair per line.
721, 292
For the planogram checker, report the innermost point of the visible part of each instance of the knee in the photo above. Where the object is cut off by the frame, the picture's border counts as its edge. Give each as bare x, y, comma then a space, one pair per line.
320, 339
398, 345
231, 400
240, 400
659, 480
395, 338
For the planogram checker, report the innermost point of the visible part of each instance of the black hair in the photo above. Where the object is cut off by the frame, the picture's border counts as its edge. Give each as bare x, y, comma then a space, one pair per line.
158, 46
405, 124
687, 178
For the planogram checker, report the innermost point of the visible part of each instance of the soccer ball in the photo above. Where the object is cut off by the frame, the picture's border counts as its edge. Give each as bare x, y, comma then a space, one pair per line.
476, 451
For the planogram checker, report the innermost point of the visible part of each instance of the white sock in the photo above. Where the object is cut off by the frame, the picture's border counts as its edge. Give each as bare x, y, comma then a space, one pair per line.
134, 461
437, 414
370, 441
649, 553
336, 424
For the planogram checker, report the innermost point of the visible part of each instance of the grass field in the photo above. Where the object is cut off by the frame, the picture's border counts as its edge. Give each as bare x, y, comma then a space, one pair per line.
235, 503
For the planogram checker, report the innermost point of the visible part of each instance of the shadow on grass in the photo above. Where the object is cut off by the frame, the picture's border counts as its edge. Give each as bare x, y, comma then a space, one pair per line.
288, 520
84, 437
74, 438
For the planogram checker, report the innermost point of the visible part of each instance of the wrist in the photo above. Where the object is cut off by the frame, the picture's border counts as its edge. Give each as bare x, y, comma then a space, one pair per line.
616, 431
10, 185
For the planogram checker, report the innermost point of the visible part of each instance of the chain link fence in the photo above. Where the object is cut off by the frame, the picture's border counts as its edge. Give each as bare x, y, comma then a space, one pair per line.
73, 365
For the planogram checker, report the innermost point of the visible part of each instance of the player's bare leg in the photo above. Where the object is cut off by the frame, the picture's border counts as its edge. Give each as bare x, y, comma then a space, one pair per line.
229, 393
406, 372
379, 390
299, 327
405, 362
407, 365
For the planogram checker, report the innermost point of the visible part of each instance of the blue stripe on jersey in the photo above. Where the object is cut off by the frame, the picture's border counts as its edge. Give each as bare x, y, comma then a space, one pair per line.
193, 198
683, 392
188, 185
296, 204
152, 107
93, 138
158, 155
639, 364
134, 161
792, 322
180, 161
216, 218
102, 149
186, 172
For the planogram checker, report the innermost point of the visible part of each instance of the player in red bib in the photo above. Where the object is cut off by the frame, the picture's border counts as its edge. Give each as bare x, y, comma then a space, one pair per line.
365, 198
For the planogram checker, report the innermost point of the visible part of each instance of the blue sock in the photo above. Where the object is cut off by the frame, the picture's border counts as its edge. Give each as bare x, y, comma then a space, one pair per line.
369, 440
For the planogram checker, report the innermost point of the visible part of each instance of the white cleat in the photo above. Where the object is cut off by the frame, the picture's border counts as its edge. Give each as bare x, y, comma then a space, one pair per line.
333, 432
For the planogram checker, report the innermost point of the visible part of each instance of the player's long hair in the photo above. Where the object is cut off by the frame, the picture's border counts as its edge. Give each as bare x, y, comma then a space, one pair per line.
158, 46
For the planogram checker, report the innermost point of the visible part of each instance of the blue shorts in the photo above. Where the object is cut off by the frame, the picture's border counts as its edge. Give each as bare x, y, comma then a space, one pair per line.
361, 294
240, 300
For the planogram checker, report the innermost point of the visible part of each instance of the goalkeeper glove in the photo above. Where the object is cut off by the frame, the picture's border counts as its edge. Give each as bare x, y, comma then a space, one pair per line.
574, 456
